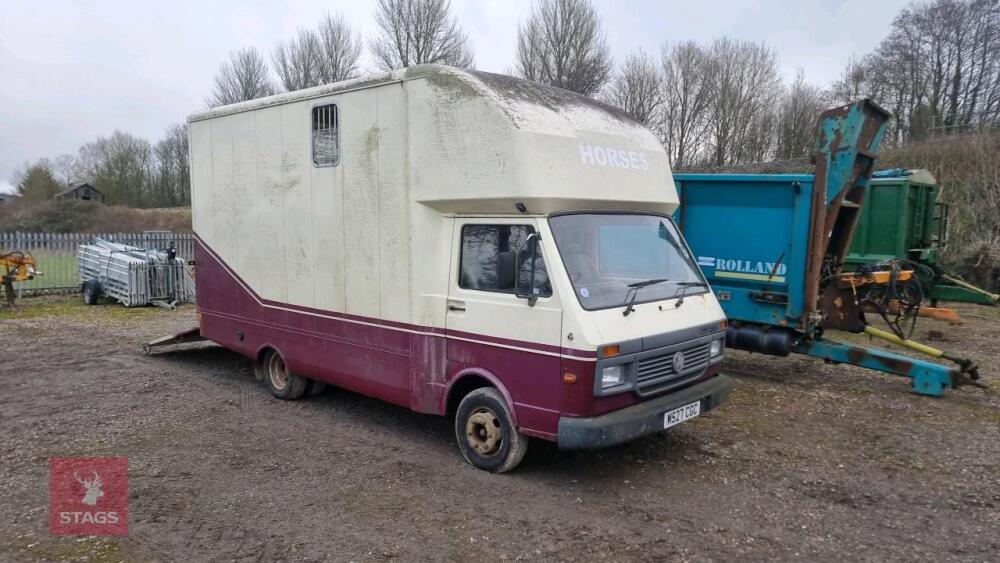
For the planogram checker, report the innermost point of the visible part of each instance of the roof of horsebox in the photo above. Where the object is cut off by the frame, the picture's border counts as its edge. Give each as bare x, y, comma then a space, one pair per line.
521, 100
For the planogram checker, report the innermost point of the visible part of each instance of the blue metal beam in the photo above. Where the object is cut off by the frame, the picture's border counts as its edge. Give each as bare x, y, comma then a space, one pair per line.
928, 378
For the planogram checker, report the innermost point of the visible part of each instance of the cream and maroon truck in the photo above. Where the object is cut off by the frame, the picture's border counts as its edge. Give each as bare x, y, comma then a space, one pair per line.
456, 242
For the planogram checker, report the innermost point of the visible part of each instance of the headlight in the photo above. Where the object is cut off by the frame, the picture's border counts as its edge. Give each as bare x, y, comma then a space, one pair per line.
716, 348
612, 375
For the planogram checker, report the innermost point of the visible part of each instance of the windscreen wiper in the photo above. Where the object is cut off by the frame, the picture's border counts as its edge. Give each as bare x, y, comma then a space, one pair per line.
682, 288
633, 290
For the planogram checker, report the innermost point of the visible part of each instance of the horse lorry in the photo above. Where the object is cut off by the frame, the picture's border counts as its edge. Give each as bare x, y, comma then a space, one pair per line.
456, 242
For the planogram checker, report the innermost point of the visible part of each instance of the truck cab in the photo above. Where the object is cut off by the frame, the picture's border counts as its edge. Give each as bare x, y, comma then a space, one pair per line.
627, 337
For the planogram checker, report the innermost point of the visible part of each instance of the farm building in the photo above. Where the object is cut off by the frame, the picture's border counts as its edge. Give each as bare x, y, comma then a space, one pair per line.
82, 191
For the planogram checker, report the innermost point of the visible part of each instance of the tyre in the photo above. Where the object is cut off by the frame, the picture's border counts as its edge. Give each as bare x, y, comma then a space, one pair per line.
91, 292
281, 383
485, 432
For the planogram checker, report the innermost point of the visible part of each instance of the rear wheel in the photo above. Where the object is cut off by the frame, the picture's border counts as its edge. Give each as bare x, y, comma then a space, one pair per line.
486, 434
282, 383
91, 292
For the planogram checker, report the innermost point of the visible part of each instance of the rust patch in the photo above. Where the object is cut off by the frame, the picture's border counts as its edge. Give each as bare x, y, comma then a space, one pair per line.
856, 355
898, 365
840, 310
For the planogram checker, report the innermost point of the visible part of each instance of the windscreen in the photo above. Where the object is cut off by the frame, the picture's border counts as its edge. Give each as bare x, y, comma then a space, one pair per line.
608, 254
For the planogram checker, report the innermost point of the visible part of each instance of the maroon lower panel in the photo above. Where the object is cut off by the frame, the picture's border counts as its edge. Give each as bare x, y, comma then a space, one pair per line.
408, 365
533, 380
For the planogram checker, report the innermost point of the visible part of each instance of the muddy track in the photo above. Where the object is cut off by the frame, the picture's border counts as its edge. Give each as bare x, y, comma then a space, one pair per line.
806, 461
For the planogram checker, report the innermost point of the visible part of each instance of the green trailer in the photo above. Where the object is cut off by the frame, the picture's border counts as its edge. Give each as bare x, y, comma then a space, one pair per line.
902, 219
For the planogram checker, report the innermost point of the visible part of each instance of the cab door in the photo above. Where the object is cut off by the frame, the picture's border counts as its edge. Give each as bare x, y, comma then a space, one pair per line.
491, 329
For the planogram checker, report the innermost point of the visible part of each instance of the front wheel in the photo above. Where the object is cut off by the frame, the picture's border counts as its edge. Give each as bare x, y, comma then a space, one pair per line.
485, 432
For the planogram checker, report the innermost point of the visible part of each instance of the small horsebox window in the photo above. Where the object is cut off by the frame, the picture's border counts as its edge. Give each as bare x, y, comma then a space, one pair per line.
325, 136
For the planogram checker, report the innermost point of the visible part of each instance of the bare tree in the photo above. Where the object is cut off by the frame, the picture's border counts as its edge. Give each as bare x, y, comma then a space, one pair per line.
851, 83
563, 44
127, 169
297, 61
243, 77
340, 50
171, 184
745, 90
66, 168
800, 107
122, 165
311, 58
938, 69
413, 32
637, 89
687, 87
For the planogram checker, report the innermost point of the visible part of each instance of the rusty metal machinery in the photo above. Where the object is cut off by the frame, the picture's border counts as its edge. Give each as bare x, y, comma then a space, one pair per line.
16, 266
773, 248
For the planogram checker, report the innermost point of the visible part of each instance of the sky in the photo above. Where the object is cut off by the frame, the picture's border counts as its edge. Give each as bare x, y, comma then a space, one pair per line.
71, 71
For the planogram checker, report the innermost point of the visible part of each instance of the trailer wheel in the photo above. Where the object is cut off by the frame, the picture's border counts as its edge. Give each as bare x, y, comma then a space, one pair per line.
282, 383
486, 434
91, 292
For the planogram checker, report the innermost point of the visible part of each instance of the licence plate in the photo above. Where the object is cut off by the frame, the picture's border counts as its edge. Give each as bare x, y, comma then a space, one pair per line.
680, 414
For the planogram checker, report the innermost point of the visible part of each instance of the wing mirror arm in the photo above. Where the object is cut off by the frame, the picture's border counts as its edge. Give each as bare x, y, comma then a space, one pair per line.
530, 246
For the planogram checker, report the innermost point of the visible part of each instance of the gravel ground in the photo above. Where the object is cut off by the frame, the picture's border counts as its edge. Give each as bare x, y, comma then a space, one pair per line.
806, 460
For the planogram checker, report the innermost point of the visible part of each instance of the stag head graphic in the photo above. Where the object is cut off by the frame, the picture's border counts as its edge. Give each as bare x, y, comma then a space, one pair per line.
92, 486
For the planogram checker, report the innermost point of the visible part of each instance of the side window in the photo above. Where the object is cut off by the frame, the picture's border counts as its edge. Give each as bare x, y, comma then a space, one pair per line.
325, 136
489, 253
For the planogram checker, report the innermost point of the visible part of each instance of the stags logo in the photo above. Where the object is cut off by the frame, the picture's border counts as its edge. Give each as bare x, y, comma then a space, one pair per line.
93, 488
88, 496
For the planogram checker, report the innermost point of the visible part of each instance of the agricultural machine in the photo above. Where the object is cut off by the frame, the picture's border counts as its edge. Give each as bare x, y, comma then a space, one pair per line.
16, 266
902, 220
774, 245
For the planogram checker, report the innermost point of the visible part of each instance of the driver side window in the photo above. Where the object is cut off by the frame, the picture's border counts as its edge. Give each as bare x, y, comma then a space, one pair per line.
488, 257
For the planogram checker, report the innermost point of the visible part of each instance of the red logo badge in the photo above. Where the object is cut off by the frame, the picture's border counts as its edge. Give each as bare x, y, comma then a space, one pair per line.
88, 496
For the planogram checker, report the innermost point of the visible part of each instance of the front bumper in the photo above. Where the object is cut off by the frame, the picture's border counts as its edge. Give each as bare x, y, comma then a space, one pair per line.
638, 420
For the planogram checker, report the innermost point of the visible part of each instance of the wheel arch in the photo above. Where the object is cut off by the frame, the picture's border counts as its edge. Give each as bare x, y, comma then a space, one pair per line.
264, 349
258, 358
470, 379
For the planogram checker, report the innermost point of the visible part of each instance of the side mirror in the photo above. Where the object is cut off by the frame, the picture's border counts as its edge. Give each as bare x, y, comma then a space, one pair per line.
530, 253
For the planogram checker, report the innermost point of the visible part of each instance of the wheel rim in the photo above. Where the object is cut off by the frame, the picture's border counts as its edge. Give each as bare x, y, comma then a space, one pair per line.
277, 371
483, 431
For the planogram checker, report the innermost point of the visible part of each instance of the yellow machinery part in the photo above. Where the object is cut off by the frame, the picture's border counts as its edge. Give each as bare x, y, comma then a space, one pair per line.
857, 280
890, 337
18, 266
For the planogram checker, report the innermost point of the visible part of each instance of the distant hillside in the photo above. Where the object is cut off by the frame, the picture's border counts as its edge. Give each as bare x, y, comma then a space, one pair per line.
89, 217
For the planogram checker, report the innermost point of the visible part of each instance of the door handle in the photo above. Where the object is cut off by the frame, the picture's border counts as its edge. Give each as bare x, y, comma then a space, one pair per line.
456, 305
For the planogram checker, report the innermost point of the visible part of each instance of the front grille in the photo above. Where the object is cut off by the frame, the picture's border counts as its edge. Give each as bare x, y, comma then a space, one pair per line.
657, 371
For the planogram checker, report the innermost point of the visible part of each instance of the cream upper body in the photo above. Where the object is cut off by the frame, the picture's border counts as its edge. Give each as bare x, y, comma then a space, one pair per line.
422, 152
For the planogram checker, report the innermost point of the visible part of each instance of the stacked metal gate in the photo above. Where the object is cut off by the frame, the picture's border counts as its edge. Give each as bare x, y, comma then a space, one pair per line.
134, 276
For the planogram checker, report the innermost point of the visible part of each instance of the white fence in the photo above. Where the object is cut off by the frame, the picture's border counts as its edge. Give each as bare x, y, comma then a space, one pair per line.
55, 254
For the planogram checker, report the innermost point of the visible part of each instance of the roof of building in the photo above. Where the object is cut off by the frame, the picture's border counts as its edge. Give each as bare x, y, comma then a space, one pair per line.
76, 186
